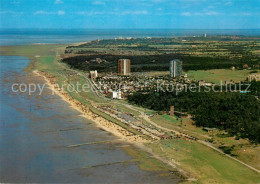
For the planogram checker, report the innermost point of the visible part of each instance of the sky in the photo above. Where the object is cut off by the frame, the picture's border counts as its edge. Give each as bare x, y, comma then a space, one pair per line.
131, 14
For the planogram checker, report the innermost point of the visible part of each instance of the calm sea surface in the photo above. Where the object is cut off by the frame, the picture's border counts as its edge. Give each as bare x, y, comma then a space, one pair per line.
27, 36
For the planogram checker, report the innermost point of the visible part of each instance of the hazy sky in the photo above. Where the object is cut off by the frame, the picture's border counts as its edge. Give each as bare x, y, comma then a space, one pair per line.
188, 14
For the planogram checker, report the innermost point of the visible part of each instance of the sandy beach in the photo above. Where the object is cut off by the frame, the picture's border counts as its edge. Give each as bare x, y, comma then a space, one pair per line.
100, 121
107, 125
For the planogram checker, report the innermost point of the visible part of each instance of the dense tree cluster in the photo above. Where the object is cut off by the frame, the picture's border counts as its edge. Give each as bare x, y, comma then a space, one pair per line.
160, 62
237, 113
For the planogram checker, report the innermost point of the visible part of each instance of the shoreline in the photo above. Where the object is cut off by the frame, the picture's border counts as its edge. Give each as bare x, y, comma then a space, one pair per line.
101, 122
124, 135
172, 162
106, 125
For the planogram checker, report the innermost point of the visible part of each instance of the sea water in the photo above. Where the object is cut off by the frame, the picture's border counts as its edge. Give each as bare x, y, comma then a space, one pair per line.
41, 36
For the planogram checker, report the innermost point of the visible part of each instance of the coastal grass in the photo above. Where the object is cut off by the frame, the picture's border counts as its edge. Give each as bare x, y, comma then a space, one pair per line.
125, 109
88, 94
166, 121
172, 119
179, 124
46, 63
205, 164
243, 149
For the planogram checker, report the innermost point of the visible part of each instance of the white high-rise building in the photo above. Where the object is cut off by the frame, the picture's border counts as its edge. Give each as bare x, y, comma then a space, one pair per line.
175, 68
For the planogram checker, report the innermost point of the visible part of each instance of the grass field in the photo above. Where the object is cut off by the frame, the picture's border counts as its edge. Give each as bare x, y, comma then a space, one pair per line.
184, 125
215, 76
204, 163
244, 150
218, 75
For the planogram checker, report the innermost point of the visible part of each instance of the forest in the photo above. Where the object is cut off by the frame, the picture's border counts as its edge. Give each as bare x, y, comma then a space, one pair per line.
144, 63
237, 113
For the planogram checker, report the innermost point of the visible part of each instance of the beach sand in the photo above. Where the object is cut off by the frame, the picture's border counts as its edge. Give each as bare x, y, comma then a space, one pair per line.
108, 126
102, 123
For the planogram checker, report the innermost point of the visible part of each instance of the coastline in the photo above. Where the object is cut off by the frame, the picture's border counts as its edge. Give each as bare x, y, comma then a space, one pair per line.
45, 125
160, 151
101, 122
137, 141
106, 125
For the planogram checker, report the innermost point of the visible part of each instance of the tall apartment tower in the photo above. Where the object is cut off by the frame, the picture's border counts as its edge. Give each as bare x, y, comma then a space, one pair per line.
124, 66
175, 68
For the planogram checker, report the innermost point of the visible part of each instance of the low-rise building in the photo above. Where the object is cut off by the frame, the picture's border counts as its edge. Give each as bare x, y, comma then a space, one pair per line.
204, 83
93, 74
116, 95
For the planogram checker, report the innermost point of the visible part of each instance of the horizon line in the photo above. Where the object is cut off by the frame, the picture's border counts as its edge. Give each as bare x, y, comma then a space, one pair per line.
146, 28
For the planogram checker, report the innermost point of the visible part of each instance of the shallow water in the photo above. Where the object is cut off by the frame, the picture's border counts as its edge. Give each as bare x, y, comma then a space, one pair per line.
35, 131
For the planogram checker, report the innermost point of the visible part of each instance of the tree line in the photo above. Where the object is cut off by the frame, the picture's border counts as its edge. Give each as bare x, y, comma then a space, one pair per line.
160, 62
237, 113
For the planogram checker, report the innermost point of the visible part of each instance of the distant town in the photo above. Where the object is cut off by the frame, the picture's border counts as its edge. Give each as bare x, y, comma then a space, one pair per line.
125, 83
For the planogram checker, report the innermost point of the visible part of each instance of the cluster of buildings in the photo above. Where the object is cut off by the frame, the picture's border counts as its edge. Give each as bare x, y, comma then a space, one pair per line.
123, 84
122, 38
124, 68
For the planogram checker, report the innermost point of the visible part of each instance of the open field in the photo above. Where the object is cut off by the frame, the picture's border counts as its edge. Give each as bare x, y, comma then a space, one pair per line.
243, 149
203, 163
215, 75
207, 165
218, 75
